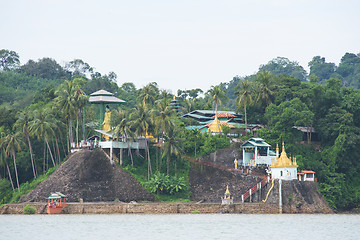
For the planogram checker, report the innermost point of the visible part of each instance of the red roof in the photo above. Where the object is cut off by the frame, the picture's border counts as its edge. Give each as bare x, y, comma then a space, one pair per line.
302, 172
225, 115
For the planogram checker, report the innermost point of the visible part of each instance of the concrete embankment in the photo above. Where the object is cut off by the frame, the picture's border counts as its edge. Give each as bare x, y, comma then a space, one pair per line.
148, 208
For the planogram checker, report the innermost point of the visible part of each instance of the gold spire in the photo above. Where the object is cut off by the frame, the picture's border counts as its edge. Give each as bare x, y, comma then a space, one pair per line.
174, 98
227, 192
283, 160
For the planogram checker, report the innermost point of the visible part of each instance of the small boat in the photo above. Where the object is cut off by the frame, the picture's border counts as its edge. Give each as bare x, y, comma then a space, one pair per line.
56, 202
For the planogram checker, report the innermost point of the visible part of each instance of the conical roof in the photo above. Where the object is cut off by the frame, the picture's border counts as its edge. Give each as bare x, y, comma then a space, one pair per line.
102, 92
103, 96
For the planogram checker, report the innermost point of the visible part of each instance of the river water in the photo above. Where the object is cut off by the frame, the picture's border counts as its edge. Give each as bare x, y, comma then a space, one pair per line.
178, 226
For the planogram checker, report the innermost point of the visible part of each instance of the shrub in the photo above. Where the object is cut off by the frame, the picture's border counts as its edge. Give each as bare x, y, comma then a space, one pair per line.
165, 184
29, 209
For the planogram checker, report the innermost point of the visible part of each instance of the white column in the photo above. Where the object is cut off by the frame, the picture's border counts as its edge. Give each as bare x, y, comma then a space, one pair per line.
280, 197
244, 157
255, 155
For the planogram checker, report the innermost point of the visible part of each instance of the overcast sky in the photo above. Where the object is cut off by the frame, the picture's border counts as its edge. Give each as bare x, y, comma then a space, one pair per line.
180, 44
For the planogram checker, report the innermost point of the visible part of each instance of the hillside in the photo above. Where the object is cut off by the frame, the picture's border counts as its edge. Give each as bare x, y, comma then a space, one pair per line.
89, 175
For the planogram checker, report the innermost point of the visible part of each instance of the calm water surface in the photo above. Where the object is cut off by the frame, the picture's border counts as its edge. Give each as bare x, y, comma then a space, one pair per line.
192, 226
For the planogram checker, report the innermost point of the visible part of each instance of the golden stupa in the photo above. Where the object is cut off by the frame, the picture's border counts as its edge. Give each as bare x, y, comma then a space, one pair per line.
283, 160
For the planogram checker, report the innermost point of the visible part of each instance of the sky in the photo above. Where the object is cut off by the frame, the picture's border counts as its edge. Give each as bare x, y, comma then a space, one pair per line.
180, 44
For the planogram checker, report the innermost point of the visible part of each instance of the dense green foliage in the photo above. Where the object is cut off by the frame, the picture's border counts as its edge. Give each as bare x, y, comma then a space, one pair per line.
29, 209
42, 104
161, 183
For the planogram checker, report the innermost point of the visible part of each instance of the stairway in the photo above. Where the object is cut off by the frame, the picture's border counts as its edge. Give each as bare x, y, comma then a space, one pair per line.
254, 189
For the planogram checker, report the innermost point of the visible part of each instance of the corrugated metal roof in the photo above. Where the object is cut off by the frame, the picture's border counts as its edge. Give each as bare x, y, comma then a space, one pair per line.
105, 99
101, 92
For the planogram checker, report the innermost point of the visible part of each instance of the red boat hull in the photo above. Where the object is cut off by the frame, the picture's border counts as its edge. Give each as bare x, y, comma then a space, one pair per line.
54, 208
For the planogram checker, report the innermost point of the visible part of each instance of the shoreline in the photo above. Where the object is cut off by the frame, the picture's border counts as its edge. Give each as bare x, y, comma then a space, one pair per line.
158, 208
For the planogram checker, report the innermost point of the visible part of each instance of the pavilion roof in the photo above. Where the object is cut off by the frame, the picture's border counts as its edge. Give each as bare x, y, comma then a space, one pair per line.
103, 96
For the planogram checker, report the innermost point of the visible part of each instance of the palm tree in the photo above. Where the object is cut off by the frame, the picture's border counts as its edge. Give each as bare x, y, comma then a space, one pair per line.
189, 105
65, 100
264, 80
13, 142
22, 124
43, 126
172, 146
148, 94
122, 129
141, 122
217, 95
80, 101
162, 115
244, 93
3, 160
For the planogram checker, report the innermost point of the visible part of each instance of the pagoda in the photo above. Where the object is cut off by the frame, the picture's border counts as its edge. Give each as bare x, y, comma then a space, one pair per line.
175, 105
284, 168
103, 98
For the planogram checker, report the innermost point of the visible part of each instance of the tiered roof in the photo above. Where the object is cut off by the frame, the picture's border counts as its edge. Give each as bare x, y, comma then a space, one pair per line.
283, 160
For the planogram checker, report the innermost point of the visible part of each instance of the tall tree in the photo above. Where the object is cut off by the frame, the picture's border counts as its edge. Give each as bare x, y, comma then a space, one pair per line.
163, 114
8, 60
22, 124
80, 101
66, 102
172, 146
244, 92
44, 68
43, 127
13, 143
264, 80
122, 129
141, 122
217, 96
148, 94
3, 161
282, 65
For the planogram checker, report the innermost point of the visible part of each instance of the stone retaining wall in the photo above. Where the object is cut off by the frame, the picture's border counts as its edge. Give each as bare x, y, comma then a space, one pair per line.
148, 208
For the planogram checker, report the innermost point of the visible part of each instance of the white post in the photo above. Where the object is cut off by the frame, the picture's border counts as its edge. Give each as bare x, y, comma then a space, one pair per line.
242, 198
250, 195
111, 153
255, 158
280, 197
244, 157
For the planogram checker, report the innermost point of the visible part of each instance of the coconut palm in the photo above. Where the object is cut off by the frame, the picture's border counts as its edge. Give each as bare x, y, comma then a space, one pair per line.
264, 81
80, 101
189, 105
43, 127
172, 146
244, 92
163, 114
3, 161
22, 124
217, 95
66, 103
122, 129
148, 94
13, 144
141, 122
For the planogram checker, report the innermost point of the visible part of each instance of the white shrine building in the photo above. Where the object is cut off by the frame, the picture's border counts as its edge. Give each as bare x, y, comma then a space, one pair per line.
283, 168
